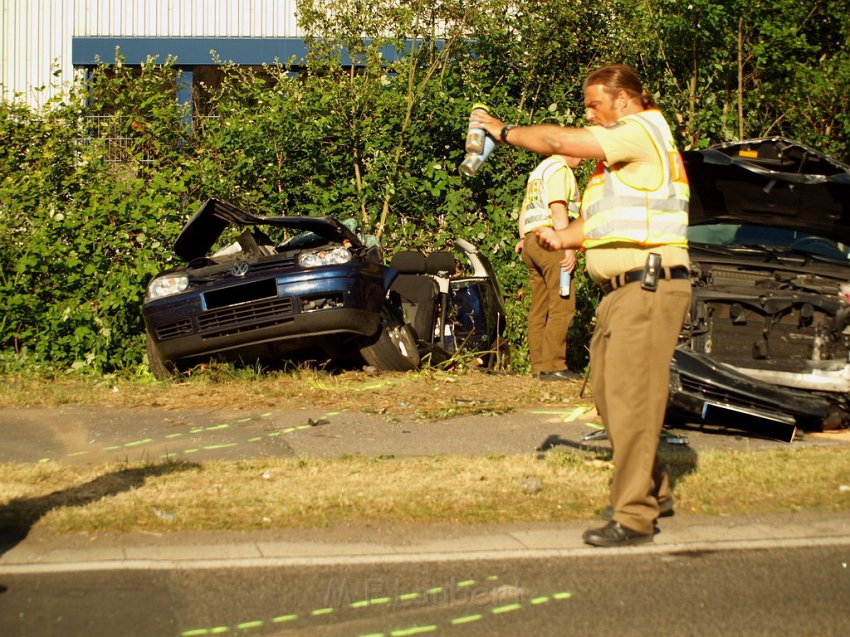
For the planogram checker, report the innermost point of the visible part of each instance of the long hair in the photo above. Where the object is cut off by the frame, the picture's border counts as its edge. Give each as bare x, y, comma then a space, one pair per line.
620, 77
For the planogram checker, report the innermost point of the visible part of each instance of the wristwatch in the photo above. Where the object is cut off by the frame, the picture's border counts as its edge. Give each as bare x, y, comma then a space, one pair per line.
503, 135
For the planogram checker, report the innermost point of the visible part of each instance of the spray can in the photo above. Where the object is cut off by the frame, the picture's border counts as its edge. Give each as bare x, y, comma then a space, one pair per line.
475, 136
474, 161
564, 286
479, 145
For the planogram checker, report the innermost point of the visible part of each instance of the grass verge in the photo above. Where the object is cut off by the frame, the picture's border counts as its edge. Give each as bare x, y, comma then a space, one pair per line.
316, 493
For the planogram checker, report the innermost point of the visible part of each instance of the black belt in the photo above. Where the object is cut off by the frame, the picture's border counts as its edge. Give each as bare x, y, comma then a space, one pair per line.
677, 272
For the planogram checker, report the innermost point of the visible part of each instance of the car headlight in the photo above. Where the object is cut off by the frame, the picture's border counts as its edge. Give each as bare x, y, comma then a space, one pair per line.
167, 285
336, 256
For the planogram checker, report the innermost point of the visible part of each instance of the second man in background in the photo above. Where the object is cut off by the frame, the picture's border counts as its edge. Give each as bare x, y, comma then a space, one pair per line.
551, 199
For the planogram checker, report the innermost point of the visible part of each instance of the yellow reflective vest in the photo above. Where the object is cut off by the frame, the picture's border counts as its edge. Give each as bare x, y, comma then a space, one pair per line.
539, 191
617, 212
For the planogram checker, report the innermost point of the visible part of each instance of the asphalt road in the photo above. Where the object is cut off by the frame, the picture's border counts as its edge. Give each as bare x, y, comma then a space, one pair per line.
777, 591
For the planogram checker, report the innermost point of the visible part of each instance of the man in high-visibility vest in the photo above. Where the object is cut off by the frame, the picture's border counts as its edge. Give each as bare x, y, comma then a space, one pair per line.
634, 231
551, 199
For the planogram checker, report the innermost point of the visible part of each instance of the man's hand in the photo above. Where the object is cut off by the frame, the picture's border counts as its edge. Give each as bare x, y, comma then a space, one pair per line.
568, 238
569, 260
519, 244
480, 119
548, 238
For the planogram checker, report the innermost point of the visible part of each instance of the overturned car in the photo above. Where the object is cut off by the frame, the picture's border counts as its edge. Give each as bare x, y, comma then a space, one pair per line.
765, 347
271, 288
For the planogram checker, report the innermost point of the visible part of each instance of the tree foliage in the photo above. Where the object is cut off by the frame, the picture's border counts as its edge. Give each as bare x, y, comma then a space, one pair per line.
371, 126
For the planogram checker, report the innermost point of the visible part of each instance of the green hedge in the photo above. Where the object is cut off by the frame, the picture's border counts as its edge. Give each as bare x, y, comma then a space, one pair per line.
81, 233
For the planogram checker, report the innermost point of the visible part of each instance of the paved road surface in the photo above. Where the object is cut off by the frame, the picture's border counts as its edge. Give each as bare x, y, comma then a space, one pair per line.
772, 575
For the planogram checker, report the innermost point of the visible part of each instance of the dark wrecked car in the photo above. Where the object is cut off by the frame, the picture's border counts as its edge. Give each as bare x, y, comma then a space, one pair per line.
284, 286
765, 347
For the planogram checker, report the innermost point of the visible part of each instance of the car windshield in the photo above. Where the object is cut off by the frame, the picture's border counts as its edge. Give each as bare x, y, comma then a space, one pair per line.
730, 235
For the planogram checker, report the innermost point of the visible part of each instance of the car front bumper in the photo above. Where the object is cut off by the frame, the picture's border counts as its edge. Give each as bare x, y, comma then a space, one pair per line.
242, 315
704, 391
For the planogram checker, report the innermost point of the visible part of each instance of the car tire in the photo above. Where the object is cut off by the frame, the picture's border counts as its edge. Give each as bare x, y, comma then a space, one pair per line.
160, 369
393, 348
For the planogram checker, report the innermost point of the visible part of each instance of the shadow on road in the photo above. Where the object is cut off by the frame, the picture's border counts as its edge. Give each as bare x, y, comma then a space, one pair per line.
18, 516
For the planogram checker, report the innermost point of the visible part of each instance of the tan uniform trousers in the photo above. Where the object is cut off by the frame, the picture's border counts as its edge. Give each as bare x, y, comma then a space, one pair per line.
550, 314
630, 351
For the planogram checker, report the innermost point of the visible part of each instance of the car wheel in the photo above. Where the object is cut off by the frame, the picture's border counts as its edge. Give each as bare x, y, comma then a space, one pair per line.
393, 348
160, 369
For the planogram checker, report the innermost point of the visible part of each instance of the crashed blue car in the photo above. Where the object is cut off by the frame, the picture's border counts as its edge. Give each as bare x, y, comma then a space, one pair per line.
267, 289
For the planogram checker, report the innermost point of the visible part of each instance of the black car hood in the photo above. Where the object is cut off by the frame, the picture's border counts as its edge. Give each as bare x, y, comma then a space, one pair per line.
770, 181
206, 225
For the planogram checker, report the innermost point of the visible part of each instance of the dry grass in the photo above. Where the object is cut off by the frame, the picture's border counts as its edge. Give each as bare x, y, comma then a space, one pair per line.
314, 493
430, 394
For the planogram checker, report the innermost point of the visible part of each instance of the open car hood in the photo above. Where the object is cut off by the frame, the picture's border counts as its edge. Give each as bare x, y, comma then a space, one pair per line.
770, 181
206, 225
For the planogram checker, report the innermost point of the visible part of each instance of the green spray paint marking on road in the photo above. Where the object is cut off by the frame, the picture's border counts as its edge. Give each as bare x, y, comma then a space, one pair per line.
379, 601
200, 430
364, 603
506, 609
465, 620
138, 443
415, 630
468, 619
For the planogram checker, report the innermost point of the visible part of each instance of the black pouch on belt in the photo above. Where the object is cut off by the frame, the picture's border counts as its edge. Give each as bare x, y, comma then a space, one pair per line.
651, 272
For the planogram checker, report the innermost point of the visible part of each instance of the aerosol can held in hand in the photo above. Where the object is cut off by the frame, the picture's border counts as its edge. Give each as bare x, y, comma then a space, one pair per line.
564, 287
479, 145
474, 161
475, 136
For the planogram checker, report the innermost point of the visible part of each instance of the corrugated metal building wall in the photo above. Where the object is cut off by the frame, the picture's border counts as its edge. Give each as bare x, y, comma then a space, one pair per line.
36, 34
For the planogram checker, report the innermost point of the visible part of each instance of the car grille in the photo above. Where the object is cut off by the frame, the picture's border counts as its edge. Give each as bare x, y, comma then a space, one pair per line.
174, 330
245, 318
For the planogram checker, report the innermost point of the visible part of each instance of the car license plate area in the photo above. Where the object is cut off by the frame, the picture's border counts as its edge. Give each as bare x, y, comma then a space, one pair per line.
237, 294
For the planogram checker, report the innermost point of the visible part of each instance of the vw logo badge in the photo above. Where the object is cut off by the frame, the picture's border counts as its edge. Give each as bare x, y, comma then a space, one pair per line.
239, 269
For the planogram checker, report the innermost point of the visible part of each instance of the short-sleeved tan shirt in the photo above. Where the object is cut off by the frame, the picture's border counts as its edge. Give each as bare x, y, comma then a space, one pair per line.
628, 144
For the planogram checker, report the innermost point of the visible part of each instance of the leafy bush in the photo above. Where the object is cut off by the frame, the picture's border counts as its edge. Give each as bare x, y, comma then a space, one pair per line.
85, 222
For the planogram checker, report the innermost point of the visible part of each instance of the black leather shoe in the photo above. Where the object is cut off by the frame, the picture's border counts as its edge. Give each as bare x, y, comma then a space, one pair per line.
665, 510
615, 534
563, 374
